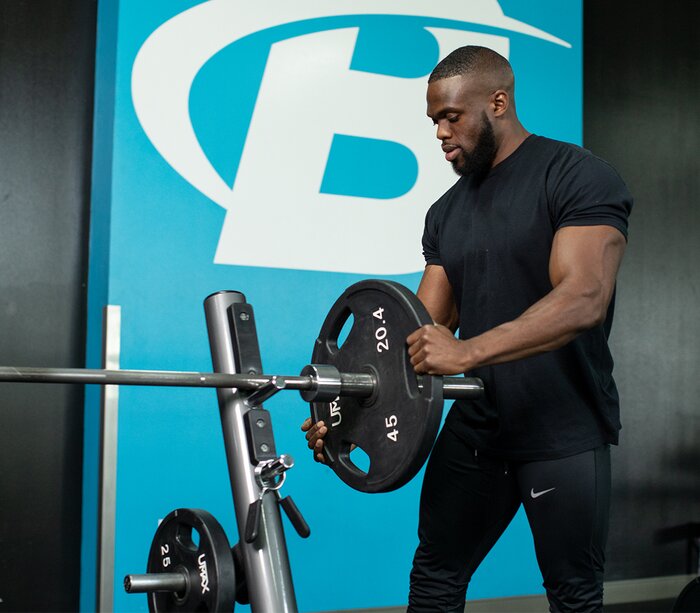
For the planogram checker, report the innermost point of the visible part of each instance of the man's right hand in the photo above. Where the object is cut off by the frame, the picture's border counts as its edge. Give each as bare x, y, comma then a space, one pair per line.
314, 435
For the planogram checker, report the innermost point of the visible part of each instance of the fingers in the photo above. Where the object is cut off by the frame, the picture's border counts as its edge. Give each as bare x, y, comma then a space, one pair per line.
433, 350
418, 363
314, 435
318, 452
414, 337
416, 342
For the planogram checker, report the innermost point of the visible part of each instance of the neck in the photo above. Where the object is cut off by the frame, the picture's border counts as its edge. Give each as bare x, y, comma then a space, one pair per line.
512, 138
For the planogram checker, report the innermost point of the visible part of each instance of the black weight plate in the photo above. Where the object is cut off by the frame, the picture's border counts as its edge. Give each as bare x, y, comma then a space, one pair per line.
688, 600
396, 427
208, 565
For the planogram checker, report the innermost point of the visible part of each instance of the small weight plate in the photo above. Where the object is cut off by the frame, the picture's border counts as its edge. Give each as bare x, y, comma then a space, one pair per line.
396, 427
205, 559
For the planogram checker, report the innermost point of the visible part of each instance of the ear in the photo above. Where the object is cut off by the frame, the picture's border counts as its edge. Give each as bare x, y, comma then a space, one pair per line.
500, 102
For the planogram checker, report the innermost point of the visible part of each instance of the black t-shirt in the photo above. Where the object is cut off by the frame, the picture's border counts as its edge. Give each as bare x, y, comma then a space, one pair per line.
494, 239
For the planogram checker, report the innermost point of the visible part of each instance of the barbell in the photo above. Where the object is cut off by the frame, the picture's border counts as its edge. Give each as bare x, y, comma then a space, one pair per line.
363, 386
358, 385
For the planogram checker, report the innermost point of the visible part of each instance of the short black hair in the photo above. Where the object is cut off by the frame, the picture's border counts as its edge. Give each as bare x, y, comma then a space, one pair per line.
480, 61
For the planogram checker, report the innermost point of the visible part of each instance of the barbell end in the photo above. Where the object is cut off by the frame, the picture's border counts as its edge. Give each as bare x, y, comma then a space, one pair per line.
155, 582
456, 388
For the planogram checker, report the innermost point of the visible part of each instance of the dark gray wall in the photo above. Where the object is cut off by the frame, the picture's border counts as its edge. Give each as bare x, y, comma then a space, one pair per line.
642, 113
46, 88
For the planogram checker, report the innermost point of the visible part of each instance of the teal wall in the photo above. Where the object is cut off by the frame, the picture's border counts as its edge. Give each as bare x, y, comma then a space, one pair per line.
223, 148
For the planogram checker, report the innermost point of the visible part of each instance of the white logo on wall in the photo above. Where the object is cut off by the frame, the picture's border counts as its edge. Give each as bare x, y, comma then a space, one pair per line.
276, 215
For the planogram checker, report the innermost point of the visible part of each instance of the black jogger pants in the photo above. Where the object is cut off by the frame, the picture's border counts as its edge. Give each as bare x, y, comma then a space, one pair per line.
468, 500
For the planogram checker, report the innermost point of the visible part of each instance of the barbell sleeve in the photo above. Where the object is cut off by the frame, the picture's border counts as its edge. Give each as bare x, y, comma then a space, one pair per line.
351, 384
155, 582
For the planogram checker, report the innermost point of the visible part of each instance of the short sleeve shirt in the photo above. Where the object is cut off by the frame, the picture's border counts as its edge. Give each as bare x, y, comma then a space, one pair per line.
494, 239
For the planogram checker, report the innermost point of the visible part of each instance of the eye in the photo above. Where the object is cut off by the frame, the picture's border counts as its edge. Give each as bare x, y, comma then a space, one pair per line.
452, 117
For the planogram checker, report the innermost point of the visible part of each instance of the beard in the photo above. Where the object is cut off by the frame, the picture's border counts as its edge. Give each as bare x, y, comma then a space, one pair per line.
477, 163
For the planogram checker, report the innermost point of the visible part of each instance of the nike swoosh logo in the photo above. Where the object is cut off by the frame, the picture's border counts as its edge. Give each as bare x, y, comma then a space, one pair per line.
538, 494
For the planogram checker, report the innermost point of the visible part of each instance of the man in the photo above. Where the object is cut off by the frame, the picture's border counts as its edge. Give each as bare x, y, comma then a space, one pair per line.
521, 256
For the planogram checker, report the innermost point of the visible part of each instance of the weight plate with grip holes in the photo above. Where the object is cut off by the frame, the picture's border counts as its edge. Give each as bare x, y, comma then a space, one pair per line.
396, 427
205, 560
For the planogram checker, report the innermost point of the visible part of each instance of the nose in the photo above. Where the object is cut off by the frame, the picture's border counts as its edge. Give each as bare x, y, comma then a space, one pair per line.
443, 131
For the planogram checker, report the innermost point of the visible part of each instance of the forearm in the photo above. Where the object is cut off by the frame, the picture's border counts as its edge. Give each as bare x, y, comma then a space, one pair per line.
550, 323
449, 319
435, 292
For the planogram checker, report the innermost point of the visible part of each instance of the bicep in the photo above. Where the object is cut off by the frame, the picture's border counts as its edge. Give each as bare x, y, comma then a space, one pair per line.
435, 292
585, 261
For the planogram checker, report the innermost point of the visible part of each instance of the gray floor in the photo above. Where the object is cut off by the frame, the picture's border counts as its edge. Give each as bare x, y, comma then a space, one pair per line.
650, 606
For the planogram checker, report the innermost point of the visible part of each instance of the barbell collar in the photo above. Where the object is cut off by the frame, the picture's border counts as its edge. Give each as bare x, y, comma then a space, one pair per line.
155, 582
351, 384
327, 383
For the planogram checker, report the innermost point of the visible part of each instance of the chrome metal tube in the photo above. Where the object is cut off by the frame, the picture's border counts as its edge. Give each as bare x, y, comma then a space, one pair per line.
155, 582
21, 374
454, 388
109, 443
